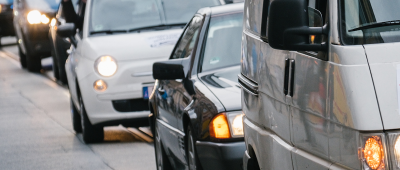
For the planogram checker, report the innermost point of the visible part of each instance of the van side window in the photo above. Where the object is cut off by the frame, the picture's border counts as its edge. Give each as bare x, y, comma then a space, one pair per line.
187, 42
317, 13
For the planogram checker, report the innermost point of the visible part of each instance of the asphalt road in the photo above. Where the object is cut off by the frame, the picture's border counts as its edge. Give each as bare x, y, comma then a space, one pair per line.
36, 130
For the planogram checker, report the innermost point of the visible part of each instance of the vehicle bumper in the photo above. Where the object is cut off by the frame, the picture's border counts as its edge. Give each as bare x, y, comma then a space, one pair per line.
37, 39
121, 87
221, 156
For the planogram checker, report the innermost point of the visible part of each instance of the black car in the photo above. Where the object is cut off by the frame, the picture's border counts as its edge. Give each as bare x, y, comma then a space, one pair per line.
31, 24
196, 110
6, 18
60, 45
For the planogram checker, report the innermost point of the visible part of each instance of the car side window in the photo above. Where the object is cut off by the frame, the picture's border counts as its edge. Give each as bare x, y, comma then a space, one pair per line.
81, 16
187, 42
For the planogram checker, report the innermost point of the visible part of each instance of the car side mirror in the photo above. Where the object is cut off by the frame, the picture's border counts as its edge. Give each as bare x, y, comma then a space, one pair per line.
67, 30
289, 26
169, 70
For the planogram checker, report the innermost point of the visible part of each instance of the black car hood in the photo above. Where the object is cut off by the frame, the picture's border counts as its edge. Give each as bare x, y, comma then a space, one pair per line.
224, 84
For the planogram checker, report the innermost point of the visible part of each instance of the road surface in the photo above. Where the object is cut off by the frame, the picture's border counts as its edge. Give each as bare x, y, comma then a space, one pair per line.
36, 130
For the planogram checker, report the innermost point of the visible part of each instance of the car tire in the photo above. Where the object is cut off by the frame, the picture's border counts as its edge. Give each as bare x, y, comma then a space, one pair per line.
22, 57
162, 161
90, 133
55, 66
191, 153
76, 118
34, 63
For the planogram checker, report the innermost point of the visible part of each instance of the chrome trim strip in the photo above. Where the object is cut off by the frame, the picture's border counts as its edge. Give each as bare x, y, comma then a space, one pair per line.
142, 74
170, 127
247, 82
248, 91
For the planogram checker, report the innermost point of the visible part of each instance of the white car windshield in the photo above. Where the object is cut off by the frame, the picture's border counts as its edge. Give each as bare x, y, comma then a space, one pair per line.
108, 16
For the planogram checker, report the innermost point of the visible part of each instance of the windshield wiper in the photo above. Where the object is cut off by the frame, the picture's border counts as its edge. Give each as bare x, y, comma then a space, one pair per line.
158, 27
108, 32
376, 25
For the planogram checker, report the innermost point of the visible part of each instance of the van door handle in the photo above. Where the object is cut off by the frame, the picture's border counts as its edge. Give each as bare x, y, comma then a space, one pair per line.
286, 78
288, 86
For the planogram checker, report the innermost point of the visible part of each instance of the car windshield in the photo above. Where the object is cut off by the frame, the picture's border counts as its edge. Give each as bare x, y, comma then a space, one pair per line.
118, 15
370, 21
44, 5
223, 42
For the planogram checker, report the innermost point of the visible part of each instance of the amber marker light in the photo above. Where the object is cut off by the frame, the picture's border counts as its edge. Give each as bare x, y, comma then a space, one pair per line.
312, 37
100, 85
373, 152
219, 127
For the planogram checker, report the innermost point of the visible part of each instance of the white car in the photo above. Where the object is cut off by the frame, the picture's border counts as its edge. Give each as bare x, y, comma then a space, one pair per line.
109, 69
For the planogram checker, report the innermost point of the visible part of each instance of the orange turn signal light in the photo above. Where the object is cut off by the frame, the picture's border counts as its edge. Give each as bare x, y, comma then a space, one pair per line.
373, 152
219, 127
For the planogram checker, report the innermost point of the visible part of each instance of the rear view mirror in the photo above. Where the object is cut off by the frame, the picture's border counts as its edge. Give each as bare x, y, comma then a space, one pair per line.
168, 70
288, 26
67, 30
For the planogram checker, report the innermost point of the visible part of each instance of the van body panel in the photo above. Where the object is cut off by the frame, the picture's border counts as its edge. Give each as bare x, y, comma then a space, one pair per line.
351, 94
306, 161
253, 15
250, 54
264, 143
384, 63
343, 145
270, 108
348, 55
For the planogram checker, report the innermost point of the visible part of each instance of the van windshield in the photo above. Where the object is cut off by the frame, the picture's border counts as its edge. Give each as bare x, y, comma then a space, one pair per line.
370, 21
135, 15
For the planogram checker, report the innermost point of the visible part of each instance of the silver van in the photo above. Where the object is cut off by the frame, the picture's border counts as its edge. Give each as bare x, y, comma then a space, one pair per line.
321, 84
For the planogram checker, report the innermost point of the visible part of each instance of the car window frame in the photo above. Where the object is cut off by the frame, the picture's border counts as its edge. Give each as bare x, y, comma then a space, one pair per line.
184, 33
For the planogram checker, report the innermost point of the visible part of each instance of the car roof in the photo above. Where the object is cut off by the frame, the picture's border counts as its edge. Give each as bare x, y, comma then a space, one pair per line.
222, 9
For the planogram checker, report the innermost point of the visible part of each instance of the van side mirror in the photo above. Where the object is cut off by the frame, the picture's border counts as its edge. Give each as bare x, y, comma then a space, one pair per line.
67, 30
169, 70
289, 26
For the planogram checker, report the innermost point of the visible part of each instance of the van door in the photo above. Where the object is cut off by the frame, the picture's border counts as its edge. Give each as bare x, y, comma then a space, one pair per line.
264, 91
308, 91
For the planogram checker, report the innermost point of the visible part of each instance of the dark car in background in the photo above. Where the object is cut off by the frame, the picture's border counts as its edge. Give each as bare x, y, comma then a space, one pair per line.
60, 45
31, 23
6, 18
196, 111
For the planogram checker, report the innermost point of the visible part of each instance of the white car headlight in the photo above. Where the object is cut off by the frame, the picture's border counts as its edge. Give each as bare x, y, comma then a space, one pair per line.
35, 17
106, 66
236, 123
